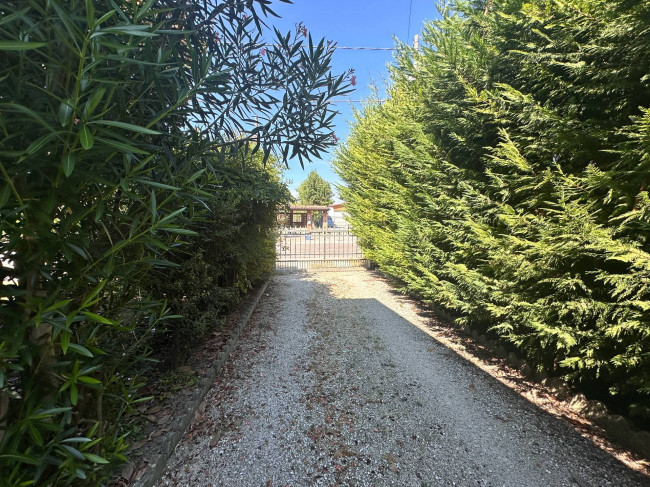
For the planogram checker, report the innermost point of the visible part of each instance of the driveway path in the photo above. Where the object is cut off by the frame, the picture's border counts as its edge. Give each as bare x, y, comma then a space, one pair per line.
332, 384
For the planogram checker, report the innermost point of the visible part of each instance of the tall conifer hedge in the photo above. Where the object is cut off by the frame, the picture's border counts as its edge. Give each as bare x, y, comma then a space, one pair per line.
505, 179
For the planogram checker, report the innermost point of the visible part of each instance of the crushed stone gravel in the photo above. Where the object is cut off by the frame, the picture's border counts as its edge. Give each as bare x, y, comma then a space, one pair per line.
331, 384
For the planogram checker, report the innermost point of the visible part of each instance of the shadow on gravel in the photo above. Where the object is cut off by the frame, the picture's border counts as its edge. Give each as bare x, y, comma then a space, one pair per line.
483, 366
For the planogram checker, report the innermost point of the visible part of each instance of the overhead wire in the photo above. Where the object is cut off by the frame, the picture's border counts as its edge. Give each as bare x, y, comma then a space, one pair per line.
364, 48
349, 48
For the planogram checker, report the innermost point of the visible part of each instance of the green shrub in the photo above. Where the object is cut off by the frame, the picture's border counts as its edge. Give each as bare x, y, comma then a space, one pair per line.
235, 250
118, 121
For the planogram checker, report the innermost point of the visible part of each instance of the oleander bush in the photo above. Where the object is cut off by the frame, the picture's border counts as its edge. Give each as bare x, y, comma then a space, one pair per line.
235, 250
135, 203
505, 179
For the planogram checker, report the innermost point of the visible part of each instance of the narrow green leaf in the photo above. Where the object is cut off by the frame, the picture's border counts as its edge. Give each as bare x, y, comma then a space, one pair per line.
172, 215
65, 16
156, 184
121, 146
97, 318
58, 304
99, 211
105, 17
39, 143
31, 460
20, 45
65, 111
65, 341
90, 14
85, 137
48, 413
169, 317
93, 101
34, 434
78, 250
5, 192
77, 439
74, 395
73, 451
195, 176
142, 399
67, 162
81, 350
182, 231
144, 9
90, 370
154, 205
29, 112
11, 17
88, 380
126, 126
95, 458
93, 293
131, 30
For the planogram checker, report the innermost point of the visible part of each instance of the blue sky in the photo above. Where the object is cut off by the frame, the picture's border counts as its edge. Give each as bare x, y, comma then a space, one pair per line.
353, 23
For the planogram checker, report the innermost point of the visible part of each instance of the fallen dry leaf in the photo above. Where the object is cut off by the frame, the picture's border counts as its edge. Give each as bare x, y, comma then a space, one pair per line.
160, 432
345, 453
139, 444
163, 419
140, 472
127, 471
392, 463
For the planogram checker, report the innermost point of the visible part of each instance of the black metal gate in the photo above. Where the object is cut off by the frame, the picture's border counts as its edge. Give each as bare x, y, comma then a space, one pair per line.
301, 249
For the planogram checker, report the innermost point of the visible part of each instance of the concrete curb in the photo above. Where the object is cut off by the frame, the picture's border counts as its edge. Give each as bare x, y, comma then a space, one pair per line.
156, 466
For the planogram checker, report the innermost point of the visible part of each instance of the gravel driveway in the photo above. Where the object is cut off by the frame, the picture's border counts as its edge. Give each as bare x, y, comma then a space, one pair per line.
332, 384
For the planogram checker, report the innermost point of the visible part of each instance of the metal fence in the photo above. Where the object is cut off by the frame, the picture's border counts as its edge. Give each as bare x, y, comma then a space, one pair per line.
299, 248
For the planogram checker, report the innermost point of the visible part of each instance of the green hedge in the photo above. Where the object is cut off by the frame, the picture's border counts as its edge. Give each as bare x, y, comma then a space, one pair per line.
134, 202
506, 179
235, 250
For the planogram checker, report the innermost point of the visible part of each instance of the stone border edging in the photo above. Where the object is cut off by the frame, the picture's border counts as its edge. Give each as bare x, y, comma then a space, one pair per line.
157, 465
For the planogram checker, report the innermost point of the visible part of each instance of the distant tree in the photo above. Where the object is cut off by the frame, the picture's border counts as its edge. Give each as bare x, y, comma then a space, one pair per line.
315, 191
